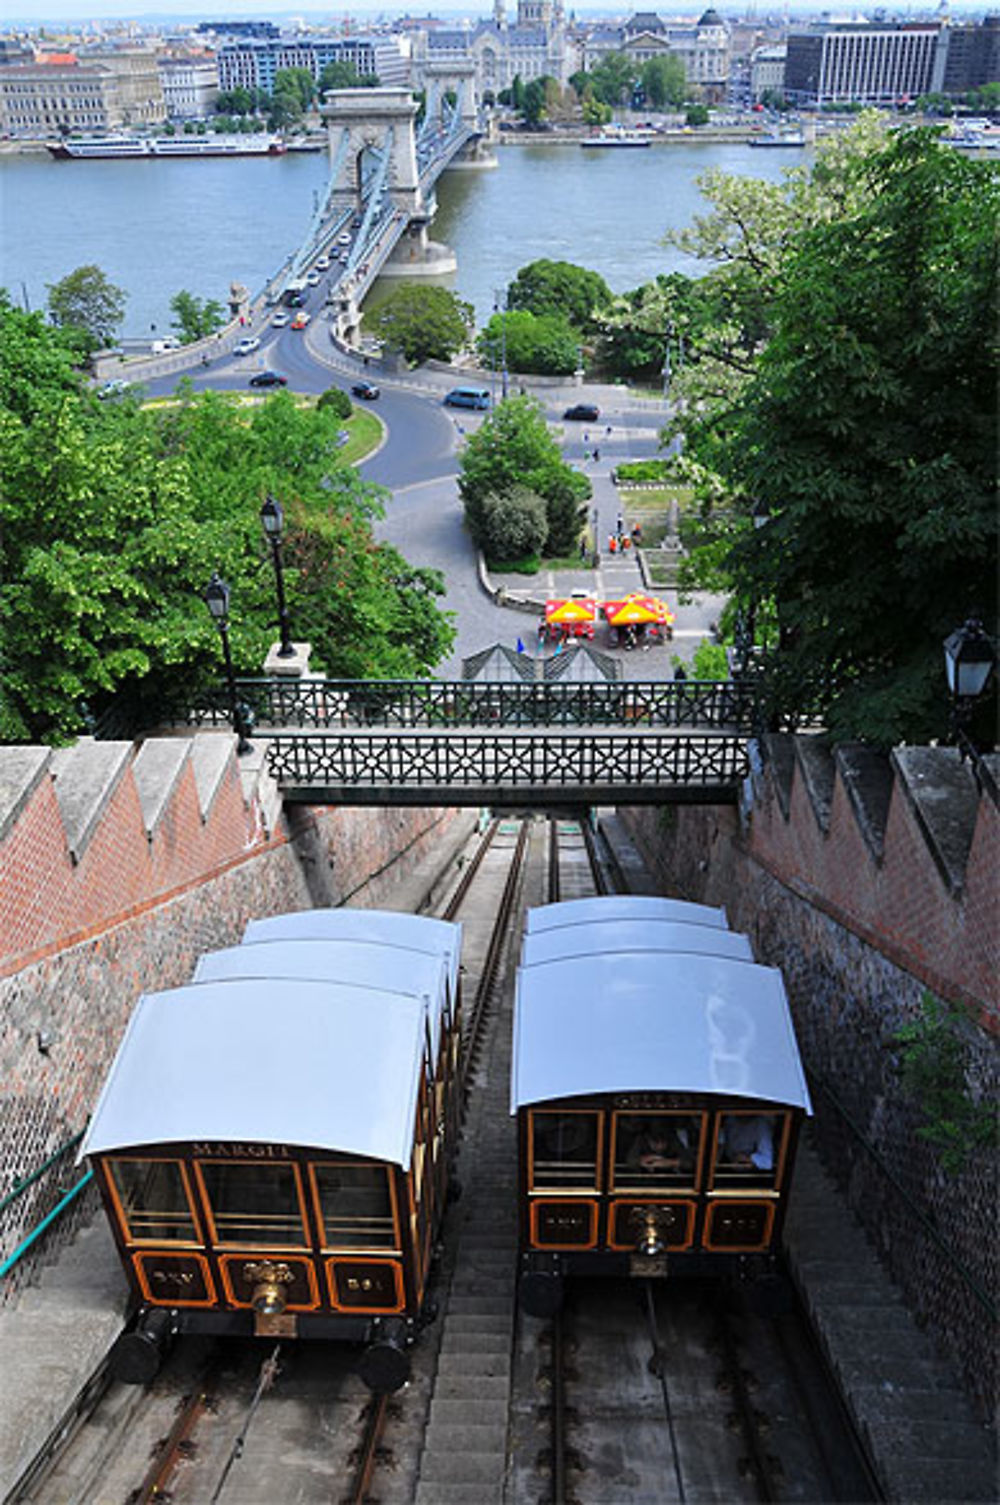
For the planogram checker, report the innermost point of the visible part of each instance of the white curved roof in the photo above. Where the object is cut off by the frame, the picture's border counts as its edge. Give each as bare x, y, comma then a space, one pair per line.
324, 1065
653, 1022
392, 928
622, 907
362, 963
611, 936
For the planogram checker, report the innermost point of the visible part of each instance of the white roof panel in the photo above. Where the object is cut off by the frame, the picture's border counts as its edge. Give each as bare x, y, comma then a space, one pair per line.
606, 937
324, 1065
622, 907
363, 963
653, 1022
419, 932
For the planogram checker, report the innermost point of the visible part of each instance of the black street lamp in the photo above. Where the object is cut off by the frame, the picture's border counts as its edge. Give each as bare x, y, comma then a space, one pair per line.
272, 517
969, 661
217, 601
500, 304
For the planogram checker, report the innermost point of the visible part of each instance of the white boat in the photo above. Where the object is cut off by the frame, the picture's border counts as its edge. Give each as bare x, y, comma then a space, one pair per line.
779, 138
119, 147
622, 138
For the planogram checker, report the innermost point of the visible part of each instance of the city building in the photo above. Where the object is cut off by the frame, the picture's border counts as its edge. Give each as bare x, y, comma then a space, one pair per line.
253, 62
875, 63
969, 57
537, 45
190, 86
702, 46
767, 72
58, 97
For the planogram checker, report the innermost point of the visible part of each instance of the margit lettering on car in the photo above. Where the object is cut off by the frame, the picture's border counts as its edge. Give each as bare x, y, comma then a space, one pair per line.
241, 1151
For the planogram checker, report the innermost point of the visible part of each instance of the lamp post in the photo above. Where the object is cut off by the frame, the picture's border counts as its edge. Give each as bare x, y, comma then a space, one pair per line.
500, 305
272, 518
597, 537
969, 660
217, 601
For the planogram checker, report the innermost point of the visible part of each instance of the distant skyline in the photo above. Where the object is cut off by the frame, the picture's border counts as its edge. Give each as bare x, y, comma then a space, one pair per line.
32, 14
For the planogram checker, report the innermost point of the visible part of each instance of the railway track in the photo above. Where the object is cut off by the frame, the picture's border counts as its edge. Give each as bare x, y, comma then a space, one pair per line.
641, 1391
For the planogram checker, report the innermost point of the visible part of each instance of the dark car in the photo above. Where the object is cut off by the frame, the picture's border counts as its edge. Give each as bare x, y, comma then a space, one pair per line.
586, 412
268, 379
367, 390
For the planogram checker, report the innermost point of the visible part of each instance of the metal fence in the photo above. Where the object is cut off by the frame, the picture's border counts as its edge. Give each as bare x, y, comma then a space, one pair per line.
707, 705
626, 766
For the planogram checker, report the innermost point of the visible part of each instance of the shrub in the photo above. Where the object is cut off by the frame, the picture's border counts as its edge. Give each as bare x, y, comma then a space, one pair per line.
513, 525
642, 470
338, 401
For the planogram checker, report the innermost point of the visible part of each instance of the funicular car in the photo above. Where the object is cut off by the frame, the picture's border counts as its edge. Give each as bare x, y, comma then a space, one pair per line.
658, 1093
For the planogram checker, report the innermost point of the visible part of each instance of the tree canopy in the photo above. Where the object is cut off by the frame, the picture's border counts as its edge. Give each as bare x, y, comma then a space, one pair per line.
424, 323
113, 517
542, 343
664, 81
195, 318
559, 287
863, 424
513, 452
86, 300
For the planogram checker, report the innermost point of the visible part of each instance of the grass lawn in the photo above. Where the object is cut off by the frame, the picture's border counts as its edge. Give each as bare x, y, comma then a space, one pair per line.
363, 427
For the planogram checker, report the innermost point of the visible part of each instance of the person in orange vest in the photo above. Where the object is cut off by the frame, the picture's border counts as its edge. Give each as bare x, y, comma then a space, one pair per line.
612, 544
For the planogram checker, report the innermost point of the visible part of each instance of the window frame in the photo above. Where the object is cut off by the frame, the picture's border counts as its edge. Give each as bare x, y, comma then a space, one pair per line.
256, 1243
329, 1249
640, 1186
575, 1189
134, 1240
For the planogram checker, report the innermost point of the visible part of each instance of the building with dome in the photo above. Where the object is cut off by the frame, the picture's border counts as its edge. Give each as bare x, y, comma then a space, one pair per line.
536, 45
703, 47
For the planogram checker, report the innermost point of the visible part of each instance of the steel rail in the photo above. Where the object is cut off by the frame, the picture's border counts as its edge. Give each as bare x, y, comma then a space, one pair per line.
553, 878
158, 1475
658, 1367
494, 957
465, 883
375, 1419
760, 1463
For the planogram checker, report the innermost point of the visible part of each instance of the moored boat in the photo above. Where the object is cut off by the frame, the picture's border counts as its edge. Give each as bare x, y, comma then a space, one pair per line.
618, 138
122, 147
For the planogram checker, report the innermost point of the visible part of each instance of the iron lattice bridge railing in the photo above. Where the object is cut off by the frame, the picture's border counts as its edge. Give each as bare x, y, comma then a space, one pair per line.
529, 766
709, 705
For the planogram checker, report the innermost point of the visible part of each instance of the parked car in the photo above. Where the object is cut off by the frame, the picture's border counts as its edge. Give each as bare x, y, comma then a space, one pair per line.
247, 345
268, 379
301, 319
113, 388
584, 412
169, 342
281, 318
367, 390
468, 397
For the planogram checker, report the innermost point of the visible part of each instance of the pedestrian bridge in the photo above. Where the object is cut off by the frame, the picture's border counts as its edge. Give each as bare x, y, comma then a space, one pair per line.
431, 742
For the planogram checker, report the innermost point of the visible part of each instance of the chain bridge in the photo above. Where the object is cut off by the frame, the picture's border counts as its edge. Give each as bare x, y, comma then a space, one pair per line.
380, 190
433, 742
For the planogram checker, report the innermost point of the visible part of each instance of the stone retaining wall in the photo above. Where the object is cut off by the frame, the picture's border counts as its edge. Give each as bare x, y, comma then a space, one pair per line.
860, 938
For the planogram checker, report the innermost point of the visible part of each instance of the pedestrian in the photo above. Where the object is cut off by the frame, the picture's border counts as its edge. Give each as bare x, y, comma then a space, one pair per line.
586, 438
612, 545
637, 533
625, 542
680, 673
608, 431
597, 455
619, 526
583, 551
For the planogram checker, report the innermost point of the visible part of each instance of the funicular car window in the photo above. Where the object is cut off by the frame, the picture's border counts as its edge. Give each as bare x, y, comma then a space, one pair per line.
748, 1149
355, 1206
252, 1203
564, 1149
154, 1201
656, 1150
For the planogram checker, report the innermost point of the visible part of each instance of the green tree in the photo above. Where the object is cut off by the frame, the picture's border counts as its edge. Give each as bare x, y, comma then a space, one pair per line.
559, 287
664, 81
87, 300
613, 78
424, 323
337, 400
235, 102
514, 449
284, 110
696, 115
297, 82
339, 75
594, 112
540, 343
868, 431
514, 526
196, 318
112, 518
534, 101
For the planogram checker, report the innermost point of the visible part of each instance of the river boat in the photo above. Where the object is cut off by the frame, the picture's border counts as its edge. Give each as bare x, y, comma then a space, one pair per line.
781, 138
618, 139
118, 148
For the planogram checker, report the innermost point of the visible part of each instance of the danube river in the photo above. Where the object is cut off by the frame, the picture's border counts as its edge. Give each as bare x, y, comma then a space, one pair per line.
155, 227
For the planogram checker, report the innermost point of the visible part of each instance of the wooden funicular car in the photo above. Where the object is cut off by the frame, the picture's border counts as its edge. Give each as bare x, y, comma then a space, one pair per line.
658, 1092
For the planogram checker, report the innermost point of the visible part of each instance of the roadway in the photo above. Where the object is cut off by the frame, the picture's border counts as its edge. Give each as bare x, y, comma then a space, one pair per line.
418, 462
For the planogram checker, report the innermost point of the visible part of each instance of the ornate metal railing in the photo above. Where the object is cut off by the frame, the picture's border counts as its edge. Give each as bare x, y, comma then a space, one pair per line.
706, 704
627, 766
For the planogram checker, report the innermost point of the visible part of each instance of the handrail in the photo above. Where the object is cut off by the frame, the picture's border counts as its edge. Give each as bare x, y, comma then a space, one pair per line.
36, 1233
968, 1279
22, 1186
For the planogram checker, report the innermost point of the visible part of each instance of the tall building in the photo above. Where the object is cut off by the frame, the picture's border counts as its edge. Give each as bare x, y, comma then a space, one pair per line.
876, 63
253, 62
969, 58
190, 86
